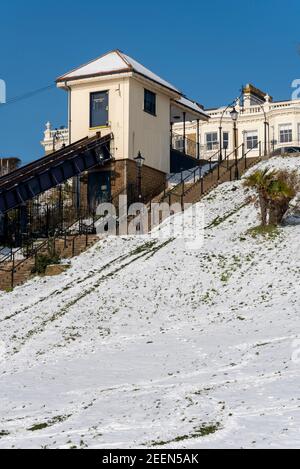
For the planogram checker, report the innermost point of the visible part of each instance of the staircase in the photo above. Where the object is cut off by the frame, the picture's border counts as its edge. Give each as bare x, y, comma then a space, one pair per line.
14, 272
202, 187
199, 183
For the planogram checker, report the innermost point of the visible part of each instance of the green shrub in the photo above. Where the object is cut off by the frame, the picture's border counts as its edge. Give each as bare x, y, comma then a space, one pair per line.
42, 261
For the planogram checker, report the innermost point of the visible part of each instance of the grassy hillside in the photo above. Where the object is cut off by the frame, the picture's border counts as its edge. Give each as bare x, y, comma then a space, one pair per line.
146, 342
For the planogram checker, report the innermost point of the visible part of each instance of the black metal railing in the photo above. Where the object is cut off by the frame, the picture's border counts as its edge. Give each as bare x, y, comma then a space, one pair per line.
190, 177
230, 162
15, 258
185, 145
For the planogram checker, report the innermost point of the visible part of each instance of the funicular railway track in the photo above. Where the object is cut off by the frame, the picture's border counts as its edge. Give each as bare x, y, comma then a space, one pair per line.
20, 187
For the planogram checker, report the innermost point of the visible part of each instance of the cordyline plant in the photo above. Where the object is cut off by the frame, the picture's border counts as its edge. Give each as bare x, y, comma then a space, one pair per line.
275, 189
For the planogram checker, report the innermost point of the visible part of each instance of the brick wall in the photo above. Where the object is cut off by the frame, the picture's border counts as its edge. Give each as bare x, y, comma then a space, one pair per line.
124, 175
153, 181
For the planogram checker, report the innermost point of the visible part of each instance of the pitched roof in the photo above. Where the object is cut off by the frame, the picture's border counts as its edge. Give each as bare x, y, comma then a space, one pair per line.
192, 105
115, 62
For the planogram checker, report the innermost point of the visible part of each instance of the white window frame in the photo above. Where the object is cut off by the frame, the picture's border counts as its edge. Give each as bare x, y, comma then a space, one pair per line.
227, 141
253, 134
212, 144
287, 128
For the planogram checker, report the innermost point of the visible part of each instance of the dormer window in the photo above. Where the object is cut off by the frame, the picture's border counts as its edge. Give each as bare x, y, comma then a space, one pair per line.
150, 102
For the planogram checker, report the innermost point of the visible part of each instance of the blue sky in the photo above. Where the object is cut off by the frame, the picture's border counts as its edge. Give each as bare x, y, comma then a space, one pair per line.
207, 48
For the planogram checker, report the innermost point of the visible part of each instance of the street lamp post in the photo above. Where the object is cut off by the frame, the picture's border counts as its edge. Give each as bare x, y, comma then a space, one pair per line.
234, 116
139, 163
221, 129
237, 100
266, 136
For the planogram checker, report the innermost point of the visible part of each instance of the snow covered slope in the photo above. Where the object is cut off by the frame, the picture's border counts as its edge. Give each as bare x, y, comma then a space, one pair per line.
146, 343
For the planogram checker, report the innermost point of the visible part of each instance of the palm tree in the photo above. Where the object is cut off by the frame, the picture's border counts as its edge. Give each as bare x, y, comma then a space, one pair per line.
280, 192
260, 180
275, 191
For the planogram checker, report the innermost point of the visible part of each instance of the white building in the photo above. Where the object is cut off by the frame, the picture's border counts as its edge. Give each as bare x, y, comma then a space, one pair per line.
54, 139
263, 125
117, 96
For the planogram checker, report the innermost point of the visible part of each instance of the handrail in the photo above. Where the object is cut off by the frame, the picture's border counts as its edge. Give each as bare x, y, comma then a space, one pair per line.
181, 136
187, 142
82, 230
9, 257
212, 167
5, 254
213, 164
173, 189
162, 187
243, 157
35, 249
15, 265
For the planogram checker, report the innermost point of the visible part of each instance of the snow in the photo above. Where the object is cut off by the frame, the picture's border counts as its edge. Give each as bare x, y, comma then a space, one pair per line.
189, 175
144, 342
192, 105
113, 62
6, 253
145, 71
280, 162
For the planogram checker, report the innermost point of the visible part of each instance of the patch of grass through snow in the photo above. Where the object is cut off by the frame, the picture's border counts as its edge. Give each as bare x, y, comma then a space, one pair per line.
198, 432
218, 220
50, 423
268, 231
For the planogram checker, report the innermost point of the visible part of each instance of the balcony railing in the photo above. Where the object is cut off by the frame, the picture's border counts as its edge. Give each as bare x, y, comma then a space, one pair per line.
185, 145
254, 109
63, 133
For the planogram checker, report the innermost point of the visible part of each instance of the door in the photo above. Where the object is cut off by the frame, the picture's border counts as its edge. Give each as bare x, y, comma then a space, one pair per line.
99, 109
99, 188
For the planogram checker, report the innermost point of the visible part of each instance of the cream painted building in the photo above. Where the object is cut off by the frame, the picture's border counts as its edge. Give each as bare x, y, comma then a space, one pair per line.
263, 126
115, 94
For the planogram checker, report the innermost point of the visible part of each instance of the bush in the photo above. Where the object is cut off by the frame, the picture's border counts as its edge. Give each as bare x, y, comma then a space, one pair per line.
42, 261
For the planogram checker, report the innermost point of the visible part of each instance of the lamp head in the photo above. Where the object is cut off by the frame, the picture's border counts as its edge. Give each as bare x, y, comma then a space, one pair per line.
234, 114
139, 160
